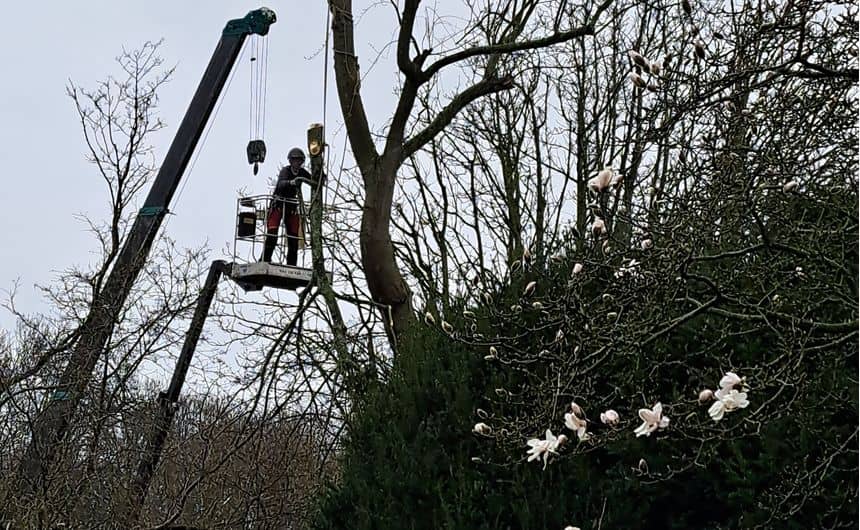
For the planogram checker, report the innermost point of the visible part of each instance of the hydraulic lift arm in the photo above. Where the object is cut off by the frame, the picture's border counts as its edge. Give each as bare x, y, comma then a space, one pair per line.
168, 401
50, 427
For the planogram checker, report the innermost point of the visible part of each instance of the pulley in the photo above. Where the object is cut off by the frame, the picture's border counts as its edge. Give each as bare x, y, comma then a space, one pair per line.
256, 153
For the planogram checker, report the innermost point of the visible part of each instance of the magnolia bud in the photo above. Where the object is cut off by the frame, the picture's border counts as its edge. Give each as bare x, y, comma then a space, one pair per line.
705, 396
482, 428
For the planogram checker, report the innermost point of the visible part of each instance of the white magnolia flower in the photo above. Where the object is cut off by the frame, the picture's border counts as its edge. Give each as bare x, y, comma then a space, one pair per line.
728, 400
655, 68
482, 428
646, 244
652, 419
610, 417
705, 396
448, 328
602, 181
730, 380
576, 424
428, 318
616, 179
637, 80
542, 448
734, 400
598, 227
537, 305
790, 185
717, 410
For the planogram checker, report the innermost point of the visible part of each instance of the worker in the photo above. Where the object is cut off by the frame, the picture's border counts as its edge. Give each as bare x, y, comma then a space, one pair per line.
283, 206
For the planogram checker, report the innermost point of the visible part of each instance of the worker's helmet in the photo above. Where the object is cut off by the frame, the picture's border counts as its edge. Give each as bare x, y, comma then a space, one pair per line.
296, 153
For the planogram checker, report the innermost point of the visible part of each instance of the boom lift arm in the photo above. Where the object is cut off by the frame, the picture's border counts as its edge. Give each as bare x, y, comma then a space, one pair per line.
50, 427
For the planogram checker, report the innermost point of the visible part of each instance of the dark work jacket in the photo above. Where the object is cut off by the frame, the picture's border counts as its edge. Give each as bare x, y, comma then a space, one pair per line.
285, 190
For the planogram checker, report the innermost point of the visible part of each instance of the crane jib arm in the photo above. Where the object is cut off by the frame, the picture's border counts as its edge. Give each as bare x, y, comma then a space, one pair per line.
204, 100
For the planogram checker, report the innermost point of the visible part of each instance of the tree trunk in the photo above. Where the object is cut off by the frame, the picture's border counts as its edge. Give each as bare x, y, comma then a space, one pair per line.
384, 280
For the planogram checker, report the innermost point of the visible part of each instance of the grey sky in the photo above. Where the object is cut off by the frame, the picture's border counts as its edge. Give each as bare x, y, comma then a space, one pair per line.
46, 179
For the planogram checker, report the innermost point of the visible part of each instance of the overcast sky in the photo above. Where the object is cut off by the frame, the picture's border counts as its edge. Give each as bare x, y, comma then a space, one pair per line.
46, 178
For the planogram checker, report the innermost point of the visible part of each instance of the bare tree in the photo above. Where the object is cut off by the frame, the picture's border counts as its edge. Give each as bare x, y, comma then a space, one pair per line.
251, 441
513, 28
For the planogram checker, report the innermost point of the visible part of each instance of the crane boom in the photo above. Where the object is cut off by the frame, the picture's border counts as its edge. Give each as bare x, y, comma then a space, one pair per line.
50, 427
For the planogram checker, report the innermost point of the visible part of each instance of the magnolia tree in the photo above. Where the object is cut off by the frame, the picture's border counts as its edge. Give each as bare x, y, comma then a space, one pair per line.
712, 298
699, 309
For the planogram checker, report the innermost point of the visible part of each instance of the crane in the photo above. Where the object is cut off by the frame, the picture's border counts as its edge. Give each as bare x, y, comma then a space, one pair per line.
50, 427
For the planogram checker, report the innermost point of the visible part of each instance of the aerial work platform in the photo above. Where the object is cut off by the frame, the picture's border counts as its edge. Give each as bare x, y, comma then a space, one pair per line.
255, 276
253, 227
